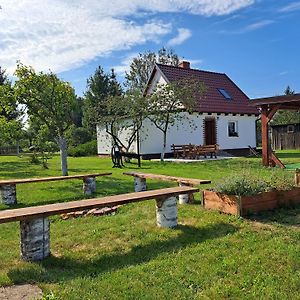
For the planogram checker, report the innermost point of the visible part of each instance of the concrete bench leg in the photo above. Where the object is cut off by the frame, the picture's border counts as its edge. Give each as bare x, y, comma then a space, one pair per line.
35, 239
140, 184
8, 194
166, 212
185, 198
89, 185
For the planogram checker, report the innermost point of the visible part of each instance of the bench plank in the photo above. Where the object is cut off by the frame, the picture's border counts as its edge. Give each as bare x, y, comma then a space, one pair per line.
168, 178
43, 179
19, 214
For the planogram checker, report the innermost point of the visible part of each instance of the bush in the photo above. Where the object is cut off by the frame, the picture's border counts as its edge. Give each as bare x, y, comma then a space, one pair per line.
246, 184
86, 149
77, 136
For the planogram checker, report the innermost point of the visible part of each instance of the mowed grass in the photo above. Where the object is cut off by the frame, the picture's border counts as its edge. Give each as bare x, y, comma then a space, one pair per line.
126, 256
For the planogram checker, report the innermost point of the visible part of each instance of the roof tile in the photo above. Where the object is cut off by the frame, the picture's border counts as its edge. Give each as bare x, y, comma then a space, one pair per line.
213, 100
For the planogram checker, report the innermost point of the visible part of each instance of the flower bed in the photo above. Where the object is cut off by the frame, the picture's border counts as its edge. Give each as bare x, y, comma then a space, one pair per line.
245, 205
242, 196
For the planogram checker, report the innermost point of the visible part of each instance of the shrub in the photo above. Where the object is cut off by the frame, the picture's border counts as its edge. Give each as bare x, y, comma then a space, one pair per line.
246, 184
77, 136
86, 149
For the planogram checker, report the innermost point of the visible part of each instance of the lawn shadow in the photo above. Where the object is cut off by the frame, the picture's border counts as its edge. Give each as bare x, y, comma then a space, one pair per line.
13, 169
283, 216
58, 269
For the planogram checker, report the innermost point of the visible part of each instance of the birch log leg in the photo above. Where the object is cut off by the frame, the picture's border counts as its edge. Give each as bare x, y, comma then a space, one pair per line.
89, 185
166, 212
8, 194
186, 198
35, 239
140, 184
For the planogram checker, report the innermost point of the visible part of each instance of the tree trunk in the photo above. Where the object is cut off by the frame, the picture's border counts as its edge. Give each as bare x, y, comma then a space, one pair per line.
62, 144
162, 155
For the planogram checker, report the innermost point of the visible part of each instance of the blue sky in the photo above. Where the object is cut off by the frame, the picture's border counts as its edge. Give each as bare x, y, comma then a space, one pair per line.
255, 42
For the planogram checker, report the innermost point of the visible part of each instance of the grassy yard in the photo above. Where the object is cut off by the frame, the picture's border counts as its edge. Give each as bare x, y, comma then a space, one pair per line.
209, 255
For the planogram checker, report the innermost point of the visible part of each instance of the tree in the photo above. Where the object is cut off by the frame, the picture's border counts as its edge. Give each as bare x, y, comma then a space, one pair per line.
3, 76
77, 114
142, 66
10, 125
99, 87
124, 116
166, 106
283, 117
48, 100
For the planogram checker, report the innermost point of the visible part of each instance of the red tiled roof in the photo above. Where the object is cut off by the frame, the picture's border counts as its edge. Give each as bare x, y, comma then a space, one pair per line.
213, 101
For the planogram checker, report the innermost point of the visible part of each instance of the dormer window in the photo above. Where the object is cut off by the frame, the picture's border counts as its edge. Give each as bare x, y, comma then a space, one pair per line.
225, 94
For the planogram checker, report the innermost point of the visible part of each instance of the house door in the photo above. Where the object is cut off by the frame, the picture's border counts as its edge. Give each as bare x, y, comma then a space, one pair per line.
210, 132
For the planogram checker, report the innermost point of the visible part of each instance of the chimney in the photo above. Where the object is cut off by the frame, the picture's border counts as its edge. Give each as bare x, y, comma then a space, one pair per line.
184, 64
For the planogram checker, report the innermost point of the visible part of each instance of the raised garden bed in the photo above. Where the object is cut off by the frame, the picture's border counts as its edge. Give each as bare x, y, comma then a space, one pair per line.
246, 205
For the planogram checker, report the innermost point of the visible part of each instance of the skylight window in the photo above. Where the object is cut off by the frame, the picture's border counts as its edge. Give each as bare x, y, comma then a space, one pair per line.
225, 94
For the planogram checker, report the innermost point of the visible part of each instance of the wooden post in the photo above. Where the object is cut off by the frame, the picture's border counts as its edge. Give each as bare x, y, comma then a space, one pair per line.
265, 136
297, 177
140, 184
89, 185
8, 194
166, 212
35, 239
185, 198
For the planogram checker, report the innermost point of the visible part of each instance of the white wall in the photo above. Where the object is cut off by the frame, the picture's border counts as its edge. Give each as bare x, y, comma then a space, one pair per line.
157, 79
152, 138
246, 132
105, 143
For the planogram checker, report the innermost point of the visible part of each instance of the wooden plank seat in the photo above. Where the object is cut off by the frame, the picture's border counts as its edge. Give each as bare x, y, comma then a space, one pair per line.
183, 151
8, 192
141, 185
207, 149
35, 225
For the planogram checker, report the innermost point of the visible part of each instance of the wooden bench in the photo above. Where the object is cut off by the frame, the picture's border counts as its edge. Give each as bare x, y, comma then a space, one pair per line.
183, 151
141, 185
35, 225
207, 149
8, 191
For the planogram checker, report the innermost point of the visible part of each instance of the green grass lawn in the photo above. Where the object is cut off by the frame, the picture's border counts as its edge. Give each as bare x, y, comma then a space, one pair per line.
126, 256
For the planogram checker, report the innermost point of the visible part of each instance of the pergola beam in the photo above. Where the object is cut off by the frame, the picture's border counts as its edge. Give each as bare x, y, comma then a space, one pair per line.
269, 106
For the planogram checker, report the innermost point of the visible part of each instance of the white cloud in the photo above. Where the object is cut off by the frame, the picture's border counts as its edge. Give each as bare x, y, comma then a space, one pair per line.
283, 73
290, 7
62, 35
257, 25
183, 35
251, 27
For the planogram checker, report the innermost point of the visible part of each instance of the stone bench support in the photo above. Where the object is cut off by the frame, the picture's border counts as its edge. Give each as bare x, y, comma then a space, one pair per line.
166, 212
35, 239
140, 184
89, 185
8, 194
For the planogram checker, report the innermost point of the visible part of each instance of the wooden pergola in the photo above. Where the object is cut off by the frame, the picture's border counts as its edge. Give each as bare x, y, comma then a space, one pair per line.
268, 107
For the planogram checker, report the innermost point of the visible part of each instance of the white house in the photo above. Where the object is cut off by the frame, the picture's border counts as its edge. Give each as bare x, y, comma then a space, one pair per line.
222, 116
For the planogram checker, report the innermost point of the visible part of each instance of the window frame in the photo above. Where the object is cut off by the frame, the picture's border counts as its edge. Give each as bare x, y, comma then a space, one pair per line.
235, 133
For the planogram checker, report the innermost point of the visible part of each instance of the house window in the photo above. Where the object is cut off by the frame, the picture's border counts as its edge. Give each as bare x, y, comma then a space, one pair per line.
290, 128
233, 129
226, 95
